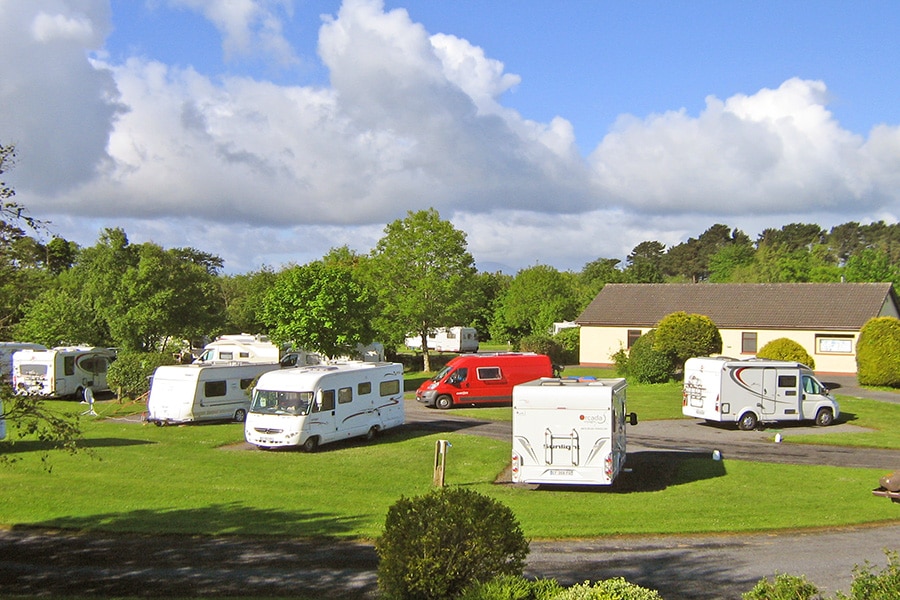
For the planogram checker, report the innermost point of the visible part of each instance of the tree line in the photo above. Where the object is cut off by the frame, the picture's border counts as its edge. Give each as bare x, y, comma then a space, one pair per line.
418, 277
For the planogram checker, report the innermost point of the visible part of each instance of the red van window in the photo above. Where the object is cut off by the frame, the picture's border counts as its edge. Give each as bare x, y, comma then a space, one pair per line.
489, 373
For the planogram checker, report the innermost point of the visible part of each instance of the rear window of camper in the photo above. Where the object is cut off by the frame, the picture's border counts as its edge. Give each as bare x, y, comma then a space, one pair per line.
33, 369
389, 388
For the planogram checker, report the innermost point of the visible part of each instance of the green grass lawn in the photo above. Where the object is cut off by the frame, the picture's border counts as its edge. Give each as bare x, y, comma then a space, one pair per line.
196, 480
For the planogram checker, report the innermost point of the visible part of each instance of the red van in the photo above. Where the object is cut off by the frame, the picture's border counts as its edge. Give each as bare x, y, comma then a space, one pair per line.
486, 378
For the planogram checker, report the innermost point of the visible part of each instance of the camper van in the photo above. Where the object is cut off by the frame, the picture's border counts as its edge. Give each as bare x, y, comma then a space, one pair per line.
315, 405
202, 392
569, 431
447, 339
241, 347
61, 372
7, 349
374, 352
488, 378
750, 392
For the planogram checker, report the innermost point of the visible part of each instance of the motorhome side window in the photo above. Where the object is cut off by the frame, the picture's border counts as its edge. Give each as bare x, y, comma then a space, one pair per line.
787, 381
245, 355
213, 389
345, 395
364, 388
389, 388
245, 383
489, 373
327, 401
226, 355
69, 365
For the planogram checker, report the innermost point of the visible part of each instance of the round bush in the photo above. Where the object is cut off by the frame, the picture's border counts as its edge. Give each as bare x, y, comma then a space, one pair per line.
510, 587
435, 546
569, 339
648, 365
608, 589
786, 349
543, 344
878, 352
130, 372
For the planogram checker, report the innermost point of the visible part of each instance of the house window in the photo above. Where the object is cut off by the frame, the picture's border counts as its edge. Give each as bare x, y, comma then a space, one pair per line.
834, 344
748, 342
633, 335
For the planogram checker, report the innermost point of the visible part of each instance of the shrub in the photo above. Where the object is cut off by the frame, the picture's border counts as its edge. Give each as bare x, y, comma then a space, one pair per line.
884, 585
569, 340
543, 344
646, 364
130, 372
511, 587
436, 545
620, 359
786, 349
684, 336
608, 589
785, 587
878, 352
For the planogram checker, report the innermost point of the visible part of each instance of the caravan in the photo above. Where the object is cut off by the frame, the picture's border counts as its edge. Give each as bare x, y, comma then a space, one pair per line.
241, 347
7, 349
61, 372
202, 392
310, 406
446, 339
749, 392
568, 431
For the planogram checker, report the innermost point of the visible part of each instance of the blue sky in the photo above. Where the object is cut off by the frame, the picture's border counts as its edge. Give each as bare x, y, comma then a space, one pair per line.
272, 133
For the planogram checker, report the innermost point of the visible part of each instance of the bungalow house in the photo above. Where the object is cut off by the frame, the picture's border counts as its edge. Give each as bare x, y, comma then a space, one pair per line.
825, 318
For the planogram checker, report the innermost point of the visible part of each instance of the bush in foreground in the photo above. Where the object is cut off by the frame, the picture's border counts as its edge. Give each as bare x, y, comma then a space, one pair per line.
878, 352
510, 587
784, 587
646, 364
435, 546
608, 589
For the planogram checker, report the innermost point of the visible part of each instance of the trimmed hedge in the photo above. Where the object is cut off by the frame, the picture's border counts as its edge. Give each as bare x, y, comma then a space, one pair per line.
878, 352
786, 349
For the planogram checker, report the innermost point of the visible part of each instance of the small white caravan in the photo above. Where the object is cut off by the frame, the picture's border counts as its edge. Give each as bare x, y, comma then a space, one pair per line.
202, 392
241, 347
314, 405
61, 372
446, 339
569, 431
7, 349
749, 392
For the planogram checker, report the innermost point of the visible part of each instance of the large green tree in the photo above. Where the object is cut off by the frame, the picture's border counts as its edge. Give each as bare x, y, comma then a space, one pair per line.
423, 276
243, 296
536, 298
319, 307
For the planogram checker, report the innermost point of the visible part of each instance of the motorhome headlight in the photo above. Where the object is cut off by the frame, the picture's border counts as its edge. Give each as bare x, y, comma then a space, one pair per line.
432, 385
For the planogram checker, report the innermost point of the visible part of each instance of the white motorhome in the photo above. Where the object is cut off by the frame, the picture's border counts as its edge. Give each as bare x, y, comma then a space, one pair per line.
202, 392
569, 431
314, 405
750, 392
446, 339
241, 347
7, 349
61, 372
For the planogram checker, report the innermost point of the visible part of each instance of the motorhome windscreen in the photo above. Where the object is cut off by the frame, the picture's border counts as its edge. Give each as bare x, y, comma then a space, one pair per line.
281, 403
443, 373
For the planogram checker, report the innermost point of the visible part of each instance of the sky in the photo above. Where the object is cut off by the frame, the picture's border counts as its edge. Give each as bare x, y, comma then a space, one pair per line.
268, 132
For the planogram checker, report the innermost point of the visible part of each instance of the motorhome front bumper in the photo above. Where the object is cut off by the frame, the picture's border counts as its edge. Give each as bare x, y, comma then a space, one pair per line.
427, 397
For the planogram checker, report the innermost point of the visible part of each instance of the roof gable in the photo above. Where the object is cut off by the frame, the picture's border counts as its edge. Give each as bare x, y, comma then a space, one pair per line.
820, 306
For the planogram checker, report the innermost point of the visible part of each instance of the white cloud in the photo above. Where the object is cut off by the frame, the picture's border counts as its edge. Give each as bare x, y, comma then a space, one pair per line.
262, 173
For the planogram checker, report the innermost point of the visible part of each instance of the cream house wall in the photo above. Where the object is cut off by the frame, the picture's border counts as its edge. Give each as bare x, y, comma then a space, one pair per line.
833, 351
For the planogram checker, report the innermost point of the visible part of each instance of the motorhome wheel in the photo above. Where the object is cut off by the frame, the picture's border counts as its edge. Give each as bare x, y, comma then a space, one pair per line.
824, 417
310, 444
370, 435
748, 421
443, 402
240, 415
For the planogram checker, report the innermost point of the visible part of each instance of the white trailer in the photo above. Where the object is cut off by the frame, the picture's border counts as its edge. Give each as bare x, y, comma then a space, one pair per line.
7, 349
61, 372
202, 392
242, 347
750, 392
314, 405
569, 431
446, 339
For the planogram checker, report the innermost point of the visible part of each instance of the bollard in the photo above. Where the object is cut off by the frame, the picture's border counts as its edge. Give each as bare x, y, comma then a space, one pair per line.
440, 461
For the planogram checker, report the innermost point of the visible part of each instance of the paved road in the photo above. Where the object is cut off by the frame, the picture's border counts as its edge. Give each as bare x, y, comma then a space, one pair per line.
680, 567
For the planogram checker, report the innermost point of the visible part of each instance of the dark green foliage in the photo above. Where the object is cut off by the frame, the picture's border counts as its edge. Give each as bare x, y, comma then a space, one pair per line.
543, 344
511, 587
130, 372
884, 585
435, 546
684, 336
620, 359
786, 349
608, 589
569, 341
646, 364
785, 587
878, 352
